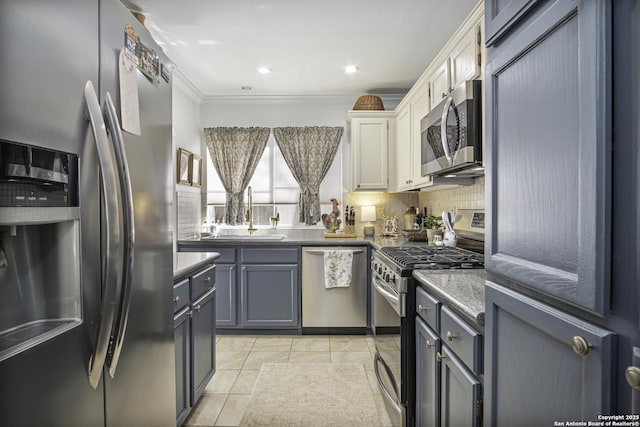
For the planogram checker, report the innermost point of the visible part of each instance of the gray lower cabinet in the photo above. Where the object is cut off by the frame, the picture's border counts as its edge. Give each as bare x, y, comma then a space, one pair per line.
461, 404
543, 365
182, 338
258, 287
270, 296
226, 298
194, 338
448, 366
427, 375
549, 143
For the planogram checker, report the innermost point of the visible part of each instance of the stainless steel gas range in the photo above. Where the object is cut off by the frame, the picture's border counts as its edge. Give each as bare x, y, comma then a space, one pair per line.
394, 311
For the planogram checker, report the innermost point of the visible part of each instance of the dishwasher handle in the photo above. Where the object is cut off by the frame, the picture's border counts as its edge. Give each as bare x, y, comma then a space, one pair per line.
321, 252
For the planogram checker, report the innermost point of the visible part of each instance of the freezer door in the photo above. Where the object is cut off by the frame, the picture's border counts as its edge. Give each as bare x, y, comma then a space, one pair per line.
49, 50
142, 390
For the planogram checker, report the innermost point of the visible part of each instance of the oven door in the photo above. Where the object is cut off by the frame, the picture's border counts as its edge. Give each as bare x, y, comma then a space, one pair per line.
387, 309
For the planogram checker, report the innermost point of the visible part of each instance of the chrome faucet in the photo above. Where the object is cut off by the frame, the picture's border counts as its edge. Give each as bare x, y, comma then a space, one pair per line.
249, 214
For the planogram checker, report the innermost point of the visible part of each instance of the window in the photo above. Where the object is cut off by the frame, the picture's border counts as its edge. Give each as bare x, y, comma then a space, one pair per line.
274, 188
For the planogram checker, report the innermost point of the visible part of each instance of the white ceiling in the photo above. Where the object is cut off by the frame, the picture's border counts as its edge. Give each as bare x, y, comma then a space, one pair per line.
220, 44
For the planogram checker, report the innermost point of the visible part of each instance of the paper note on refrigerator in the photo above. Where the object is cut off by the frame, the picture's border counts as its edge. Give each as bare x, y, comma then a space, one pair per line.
129, 106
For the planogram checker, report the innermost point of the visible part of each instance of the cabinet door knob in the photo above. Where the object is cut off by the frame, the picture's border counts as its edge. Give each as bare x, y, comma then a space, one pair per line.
197, 307
421, 308
632, 375
176, 299
428, 344
440, 356
451, 336
207, 279
190, 313
444, 94
244, 268
232, 268
580, 345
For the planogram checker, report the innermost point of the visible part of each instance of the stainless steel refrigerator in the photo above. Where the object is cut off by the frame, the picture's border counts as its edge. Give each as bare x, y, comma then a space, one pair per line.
86, 322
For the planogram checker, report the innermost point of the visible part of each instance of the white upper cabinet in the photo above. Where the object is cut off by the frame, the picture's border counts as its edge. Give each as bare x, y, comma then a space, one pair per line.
463, 62
408, 138
404, 145
439, 83
465, 59
370, 150
458, 61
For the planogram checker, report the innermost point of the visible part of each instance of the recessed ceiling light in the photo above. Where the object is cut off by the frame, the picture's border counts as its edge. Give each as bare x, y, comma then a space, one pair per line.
350, 69
264, 70
246, 87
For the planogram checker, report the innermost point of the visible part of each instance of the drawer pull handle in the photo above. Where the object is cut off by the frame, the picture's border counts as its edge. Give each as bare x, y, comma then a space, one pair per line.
176, 299
421, 308
428, 344
632, 375
580, 345
198, 308
440, 356
451, 336
207, 279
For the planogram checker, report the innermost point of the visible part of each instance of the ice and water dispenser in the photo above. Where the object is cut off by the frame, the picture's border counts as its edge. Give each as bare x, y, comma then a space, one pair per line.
40, 292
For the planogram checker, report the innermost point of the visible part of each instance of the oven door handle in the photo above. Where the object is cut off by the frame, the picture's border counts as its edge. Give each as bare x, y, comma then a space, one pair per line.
376, 361
393, 299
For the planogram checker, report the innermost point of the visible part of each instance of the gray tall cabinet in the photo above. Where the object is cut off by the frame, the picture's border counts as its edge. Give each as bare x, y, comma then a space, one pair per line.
563, 298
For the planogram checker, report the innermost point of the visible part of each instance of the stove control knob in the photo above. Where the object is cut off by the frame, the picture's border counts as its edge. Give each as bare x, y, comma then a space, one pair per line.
379, 269
392, 278
385, 276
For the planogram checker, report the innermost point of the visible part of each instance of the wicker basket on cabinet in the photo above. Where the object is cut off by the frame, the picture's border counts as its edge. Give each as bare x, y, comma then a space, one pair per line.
369, 102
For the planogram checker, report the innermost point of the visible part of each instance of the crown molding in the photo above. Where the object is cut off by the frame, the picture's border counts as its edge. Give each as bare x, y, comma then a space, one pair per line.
183, 82
294, 99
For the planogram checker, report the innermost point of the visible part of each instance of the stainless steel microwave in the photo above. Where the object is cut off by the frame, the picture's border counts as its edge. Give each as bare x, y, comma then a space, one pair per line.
451, 133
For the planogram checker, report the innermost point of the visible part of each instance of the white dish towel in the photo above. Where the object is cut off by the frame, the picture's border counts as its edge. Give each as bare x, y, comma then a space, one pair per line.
337, 268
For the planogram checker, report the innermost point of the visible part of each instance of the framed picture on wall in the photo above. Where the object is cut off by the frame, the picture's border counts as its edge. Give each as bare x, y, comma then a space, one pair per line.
196, 170
184, 167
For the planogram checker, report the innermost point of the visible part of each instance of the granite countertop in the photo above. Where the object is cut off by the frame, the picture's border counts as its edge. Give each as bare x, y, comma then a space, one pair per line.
303, 237
462, 290
186, 263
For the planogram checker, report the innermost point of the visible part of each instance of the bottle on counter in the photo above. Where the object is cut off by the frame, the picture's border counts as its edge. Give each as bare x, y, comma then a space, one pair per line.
409, 218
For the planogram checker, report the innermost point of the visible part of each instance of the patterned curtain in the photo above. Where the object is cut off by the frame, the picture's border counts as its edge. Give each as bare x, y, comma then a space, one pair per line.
309, 152
235, 153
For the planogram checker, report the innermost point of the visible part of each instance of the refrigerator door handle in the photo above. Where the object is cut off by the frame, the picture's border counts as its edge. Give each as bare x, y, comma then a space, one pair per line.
128, 229
111, 274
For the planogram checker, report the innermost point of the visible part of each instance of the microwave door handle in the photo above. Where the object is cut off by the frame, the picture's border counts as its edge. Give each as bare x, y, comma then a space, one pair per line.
443, 128
128, 230
111, 272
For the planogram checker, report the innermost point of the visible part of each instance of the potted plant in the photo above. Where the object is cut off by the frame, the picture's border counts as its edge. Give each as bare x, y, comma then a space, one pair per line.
432, 224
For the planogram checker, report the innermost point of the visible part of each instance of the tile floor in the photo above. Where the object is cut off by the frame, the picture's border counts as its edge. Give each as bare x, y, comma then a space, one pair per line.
238, 362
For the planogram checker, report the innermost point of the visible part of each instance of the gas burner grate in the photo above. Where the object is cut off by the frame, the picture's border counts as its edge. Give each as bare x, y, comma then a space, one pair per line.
433, 257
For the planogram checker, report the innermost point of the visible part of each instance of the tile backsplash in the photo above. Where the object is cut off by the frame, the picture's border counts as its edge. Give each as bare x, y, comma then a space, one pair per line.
391, 204
189, 214
466, 197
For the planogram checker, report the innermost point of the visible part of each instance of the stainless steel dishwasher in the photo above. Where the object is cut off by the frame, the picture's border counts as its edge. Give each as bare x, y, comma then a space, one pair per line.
344, 307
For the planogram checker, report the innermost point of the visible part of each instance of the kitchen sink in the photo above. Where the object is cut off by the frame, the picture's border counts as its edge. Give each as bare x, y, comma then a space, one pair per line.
244, 237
